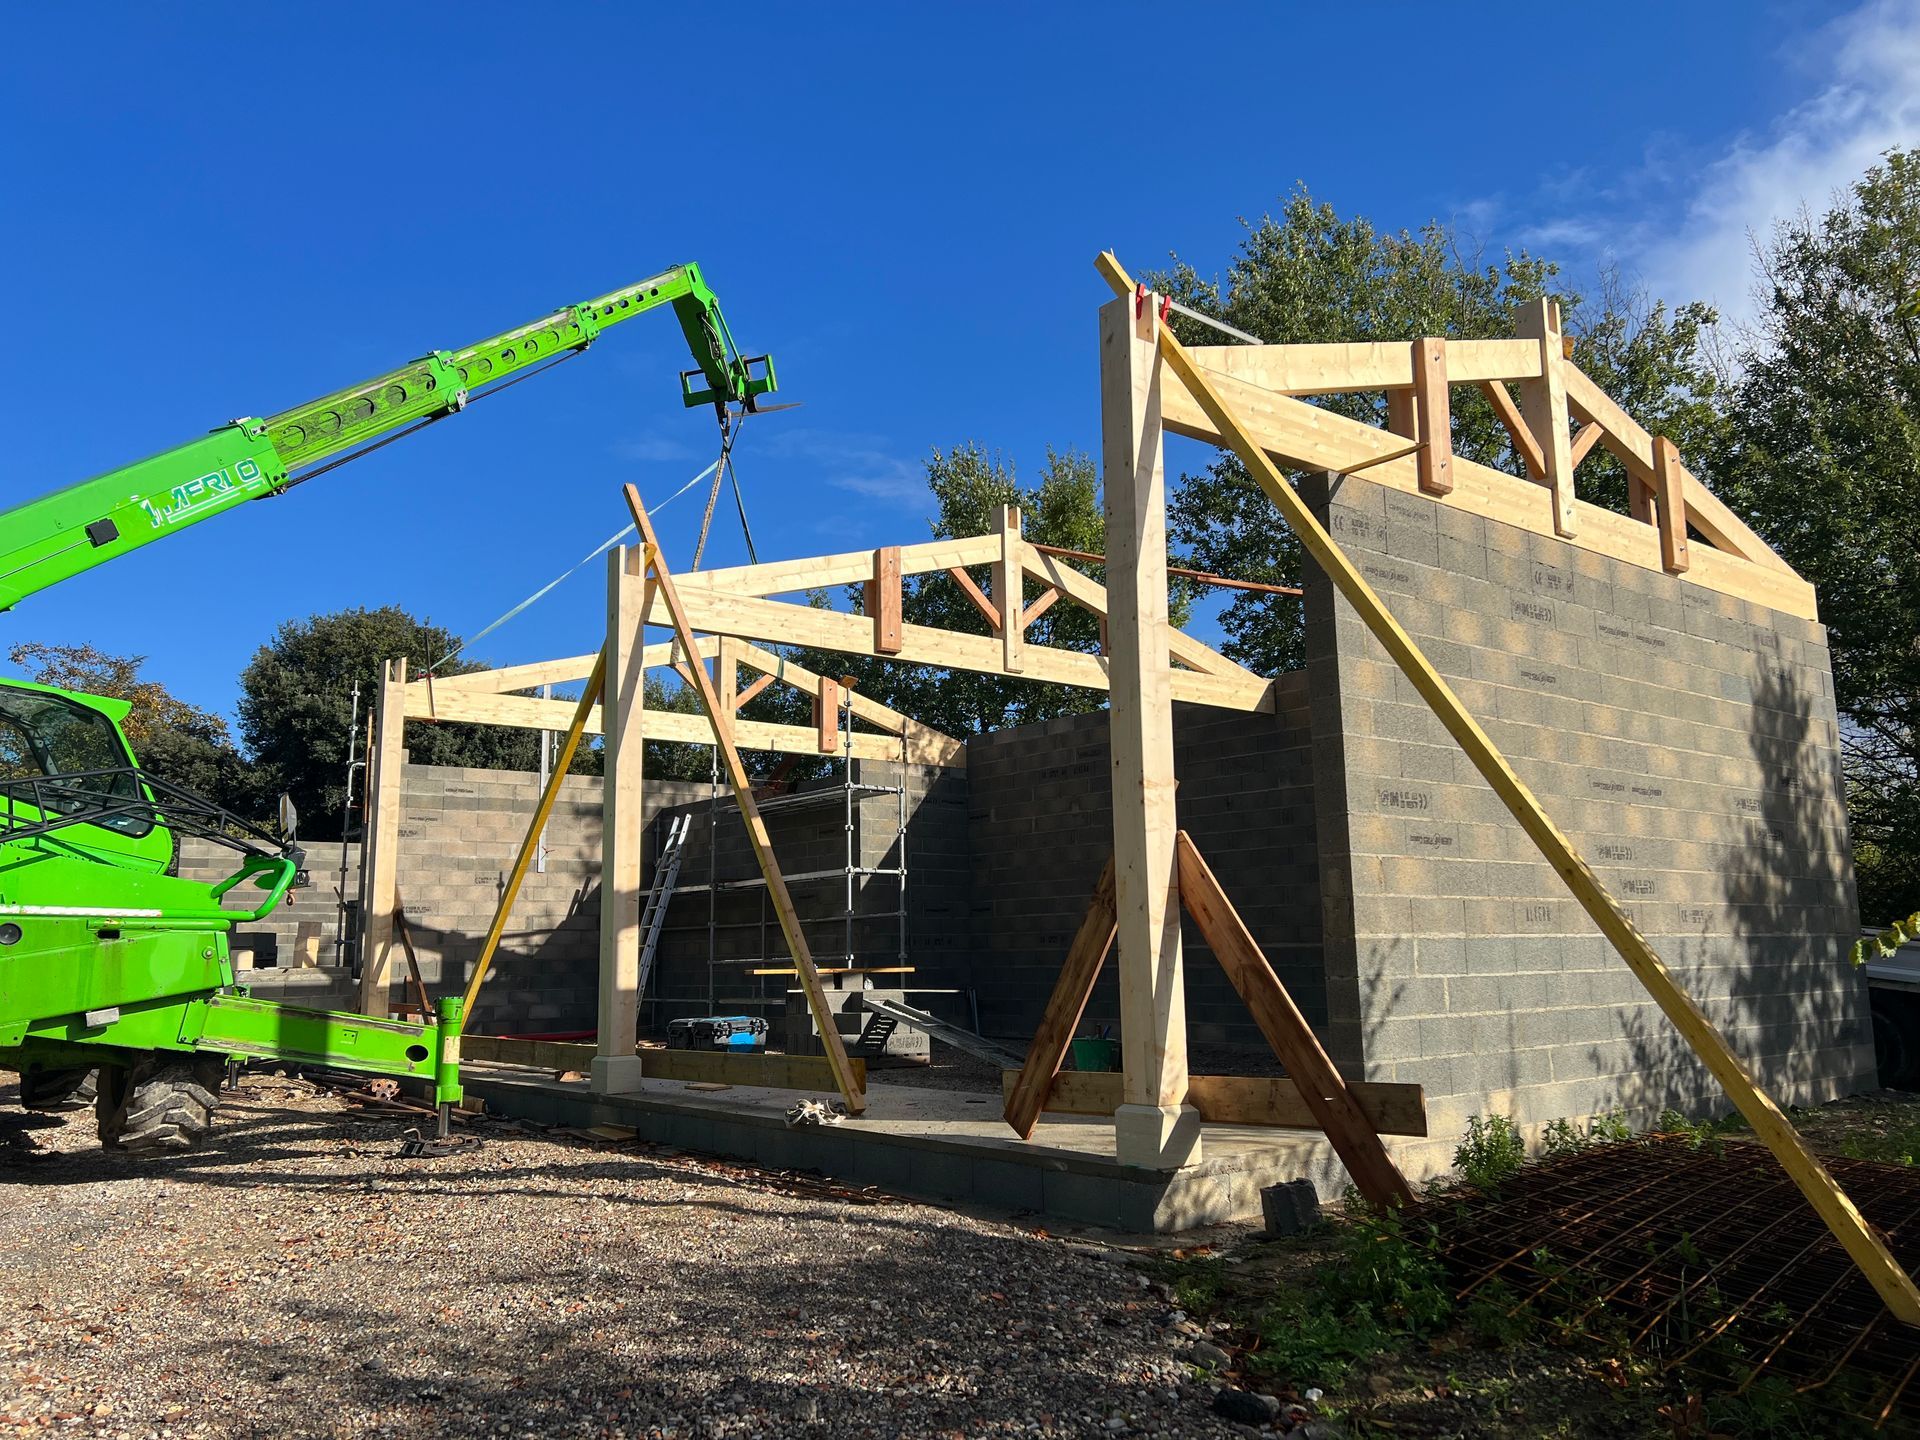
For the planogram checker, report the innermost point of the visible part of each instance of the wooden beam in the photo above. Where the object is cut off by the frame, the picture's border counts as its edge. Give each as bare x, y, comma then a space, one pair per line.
530, 844
1310, 437
1867, 1249
826, 572
1084, 590
1584, 439
751, 690
1633, 445
851, 1086
1403, 416
922, 740
852, 635
1008, 585
1671, 499
925, 746
1152, 1127
1041, 603
541, 672
726, 673
535, 1054
886, 600
978, 596
1640, 499
622, 805
1378, 365
1434, 462
1352, 1135
1272, 1100
1524, 445
1071, 988
1544, 403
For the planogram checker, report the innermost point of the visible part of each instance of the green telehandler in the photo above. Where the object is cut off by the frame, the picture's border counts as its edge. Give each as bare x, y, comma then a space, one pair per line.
111, 964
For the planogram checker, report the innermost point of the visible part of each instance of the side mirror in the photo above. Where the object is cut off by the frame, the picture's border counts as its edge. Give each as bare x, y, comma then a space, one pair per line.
289, 818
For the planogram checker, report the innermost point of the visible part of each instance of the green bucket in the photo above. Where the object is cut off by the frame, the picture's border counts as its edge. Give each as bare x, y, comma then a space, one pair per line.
1095, 1053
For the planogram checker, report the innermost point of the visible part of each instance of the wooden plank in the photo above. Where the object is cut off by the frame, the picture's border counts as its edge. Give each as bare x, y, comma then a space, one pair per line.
622, 805
852, 1088
413, 960
1269, 1100
978, 596
1524, 445
851, 634
781, 577
1347, 1127
540, 672
840, 970
1009, 583
886, 600
530, 844
1671, 500
535, 1054
1308, 437
826, 714
1153, 1014
1084, 590
1544, 404
1071, 988
1434, 462
1336, 369
774, 1072
1862, 1243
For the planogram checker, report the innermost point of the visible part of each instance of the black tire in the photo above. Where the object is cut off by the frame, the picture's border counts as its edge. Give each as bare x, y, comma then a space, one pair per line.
163, 1103
42, 1088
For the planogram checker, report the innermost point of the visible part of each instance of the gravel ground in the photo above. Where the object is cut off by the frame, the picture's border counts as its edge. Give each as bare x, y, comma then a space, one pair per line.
298, 1279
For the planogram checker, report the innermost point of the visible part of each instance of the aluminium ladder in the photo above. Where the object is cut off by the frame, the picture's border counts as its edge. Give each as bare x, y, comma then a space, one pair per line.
666, 871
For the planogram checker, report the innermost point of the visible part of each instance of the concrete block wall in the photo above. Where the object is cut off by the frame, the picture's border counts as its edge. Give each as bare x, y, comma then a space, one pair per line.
1040, 808
1687, 743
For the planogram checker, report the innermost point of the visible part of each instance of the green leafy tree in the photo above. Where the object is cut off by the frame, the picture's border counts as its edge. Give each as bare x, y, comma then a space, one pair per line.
1824, 461
1306, 275
171, 738
296, 708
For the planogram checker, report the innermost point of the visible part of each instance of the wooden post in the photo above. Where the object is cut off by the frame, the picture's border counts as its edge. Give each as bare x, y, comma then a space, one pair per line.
1867, 1249
1354, 1139
726, 673
1155, 1127
1672, 502
826, 713
884, 600
1403, 416
852, 1088
616, 1064
1434, 463
1009, 585
1061, 1018
385, 761
1544, 404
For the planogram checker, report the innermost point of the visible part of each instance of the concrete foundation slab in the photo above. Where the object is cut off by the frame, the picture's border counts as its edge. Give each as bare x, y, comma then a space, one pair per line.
941, 1145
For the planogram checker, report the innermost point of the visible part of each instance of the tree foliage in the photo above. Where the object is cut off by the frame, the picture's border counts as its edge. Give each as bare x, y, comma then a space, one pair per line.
176, 740
1824, 460
1306, 275
296, 708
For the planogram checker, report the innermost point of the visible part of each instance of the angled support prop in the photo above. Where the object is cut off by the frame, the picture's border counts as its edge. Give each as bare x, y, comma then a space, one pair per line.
1864, 1244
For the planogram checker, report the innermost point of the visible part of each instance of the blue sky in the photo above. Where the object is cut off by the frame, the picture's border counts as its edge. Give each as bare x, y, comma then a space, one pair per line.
224, 210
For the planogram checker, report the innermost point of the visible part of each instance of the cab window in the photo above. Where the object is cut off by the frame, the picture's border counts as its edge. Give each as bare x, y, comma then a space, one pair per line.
51, 736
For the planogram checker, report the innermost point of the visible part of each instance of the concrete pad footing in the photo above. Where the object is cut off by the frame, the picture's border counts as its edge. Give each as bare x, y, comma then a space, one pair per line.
1157, 1137
615, 1074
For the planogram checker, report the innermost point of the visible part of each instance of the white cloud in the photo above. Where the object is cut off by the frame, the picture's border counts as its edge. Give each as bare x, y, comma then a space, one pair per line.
861, 464
1869, 102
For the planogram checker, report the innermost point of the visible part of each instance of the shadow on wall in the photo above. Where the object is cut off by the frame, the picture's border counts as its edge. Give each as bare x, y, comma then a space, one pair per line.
544, 978
1778, 984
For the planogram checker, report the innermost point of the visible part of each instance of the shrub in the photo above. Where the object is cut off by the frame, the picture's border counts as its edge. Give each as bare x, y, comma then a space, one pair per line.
1492, 1151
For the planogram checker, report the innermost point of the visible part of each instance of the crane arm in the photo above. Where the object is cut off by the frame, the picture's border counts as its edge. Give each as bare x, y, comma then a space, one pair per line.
50, 539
